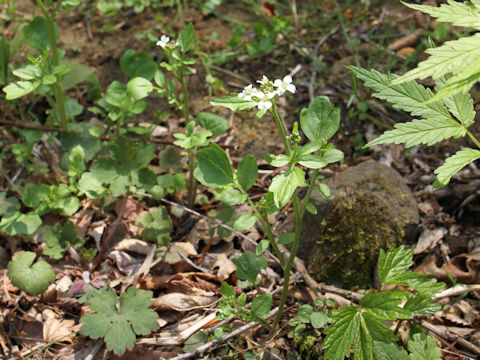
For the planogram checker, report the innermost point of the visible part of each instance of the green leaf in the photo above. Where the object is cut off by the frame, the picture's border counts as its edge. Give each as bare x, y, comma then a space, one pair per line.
277, 160
460, 105
324, 190
423, 347
28, 72
452, 57
227, 290
60, 238
138, 64
458, 13
249, 266
186, 38
284, 185
247, 172
229, 196
422, 305
318, 162
287, 238
245, 221
261, 306
77, 74
262, 247
20, 88
157, 225
33, 279
396, 261
36, 34
217, 125
321, 120
72, 108
341, 333
213, 167
234, 103
388, 351
115, 326
139, 87
318, 319
16, 223
409, 96
384, 305
454, 164
363, 344
416, 132
419, 282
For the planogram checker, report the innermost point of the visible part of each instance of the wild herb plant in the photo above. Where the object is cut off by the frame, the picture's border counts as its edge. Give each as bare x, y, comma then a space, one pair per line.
45, 72
319, 123
446, 112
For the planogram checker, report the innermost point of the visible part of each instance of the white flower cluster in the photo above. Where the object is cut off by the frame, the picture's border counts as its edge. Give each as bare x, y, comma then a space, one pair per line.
165, 42
268, 90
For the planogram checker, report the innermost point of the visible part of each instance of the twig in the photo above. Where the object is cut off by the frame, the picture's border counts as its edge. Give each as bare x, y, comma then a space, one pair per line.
232, 74
203, 348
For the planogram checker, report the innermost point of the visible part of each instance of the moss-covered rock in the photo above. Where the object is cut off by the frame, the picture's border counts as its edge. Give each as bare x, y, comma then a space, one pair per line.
370, 208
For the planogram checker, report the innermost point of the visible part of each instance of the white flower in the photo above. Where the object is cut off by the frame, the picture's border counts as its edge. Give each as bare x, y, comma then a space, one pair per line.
271, 95
284, 85
264, 81
248, 93
265, 102
164, 40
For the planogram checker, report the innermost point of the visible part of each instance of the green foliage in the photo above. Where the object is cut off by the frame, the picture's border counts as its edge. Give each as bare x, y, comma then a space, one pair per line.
321, 120
308, 315
234, 103
13, 221
36, 34
247, 172
249, 266
118, 326
138, 64
186, 38
60, 238
284, 185
213, 167
125, 168
27, 276
192, 139
245, 221
361, 326
44, 198
157, 225
454, 164
423, 347
217, 125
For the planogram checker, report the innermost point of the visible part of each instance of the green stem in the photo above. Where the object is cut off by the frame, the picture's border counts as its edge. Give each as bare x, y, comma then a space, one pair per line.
474, 139
268, 231
191, 159
60, 105
281, 128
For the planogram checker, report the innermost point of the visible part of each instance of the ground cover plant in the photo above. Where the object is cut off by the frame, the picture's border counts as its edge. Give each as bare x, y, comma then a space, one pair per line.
158, 166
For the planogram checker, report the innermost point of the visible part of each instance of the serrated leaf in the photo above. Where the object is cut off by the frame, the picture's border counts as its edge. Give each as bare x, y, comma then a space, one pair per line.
321, 120
419, 282
234, 103
396, 260
465, 14
213, 167
363, 344
384, 305
115, 325
423, 347
27, 276
425, 131
409, 96
422, 305
341, 333
452, 57
454, 164
186, 38
245, 221
388, 351
460, 105
284, 185
247, 172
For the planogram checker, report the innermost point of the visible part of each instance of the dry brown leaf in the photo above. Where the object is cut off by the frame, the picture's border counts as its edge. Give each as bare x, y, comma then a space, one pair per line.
465, 268
57, 330
182, 302
406, 51
134, 245
405, 41
429, 239
187, 247
225, 267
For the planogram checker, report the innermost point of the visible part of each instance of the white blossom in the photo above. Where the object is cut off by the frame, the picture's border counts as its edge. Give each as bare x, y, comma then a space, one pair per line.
264, 81
164, 40
248, 93
284, 85
265, 102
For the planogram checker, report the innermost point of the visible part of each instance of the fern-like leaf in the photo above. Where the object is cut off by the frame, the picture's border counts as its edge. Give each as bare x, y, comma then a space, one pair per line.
453, 164
408, 96
421, 132
460, 104
452, 57
457, 13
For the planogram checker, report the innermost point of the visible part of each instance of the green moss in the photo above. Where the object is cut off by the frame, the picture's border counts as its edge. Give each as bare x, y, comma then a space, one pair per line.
358, 225
307, 347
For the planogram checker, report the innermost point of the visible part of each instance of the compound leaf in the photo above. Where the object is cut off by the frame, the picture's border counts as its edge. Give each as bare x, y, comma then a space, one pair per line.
396, 261
341, 333
384, 305
33, 279
423, 347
